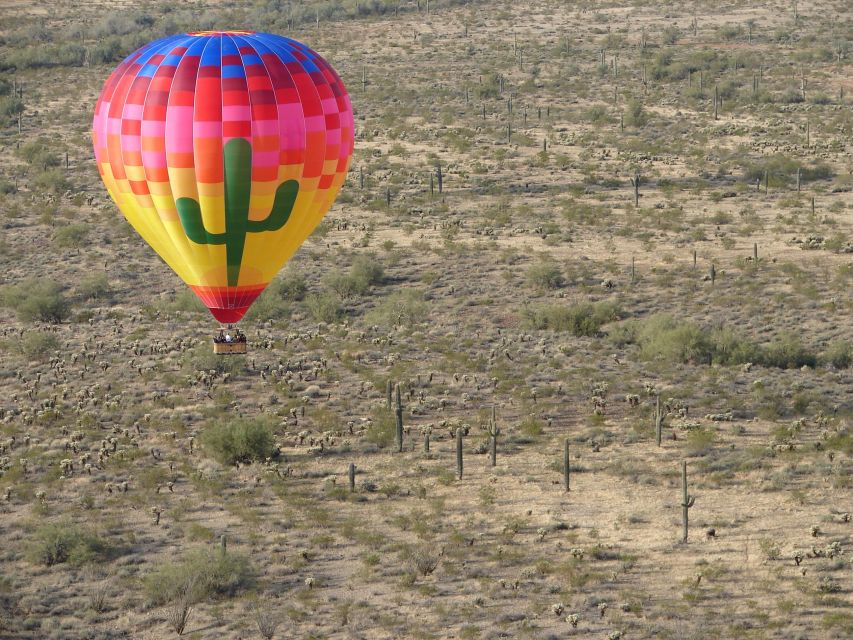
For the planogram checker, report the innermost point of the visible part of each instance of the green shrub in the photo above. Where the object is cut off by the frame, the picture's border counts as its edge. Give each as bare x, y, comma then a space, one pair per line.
382, 429
239, 440
662, 337
636, 115
36, 299
37, 344
545, 274
71, 237
10, 108
699, 442
40, 153
202, 573
324, 307
839, 354
365, 272
60, 542
95, 286
292, 285
787, 352
583, 319
401, 307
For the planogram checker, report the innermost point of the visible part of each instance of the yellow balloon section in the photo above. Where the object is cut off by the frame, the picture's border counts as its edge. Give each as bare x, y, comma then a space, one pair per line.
224, 150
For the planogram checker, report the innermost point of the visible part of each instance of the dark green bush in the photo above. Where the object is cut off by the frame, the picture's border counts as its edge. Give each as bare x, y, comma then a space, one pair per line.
663, 337
95, 286
201, 573
38, 344
583, 319
60, 542
382, 429
36, 299
40, 153
71, 237
839, 354
239, 440
406, 307
545, 274
324, 307
787, 352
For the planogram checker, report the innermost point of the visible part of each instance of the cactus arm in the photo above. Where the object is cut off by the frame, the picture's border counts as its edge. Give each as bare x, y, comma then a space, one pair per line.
189, 212
285, 198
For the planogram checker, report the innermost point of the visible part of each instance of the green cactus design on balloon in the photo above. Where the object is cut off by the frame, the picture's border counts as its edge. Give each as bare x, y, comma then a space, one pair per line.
237, 160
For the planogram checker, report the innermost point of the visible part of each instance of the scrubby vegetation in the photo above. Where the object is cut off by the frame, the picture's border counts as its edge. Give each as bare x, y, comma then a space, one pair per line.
604, 240
236, 440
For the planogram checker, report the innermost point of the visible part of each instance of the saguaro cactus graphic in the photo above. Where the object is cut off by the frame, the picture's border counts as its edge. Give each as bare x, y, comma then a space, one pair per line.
237, 161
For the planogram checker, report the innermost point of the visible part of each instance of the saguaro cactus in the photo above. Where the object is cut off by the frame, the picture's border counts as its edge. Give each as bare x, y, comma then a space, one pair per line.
388, 389
659, 414
237, 159
351, 475
635, 181
566, 463
459, 452
494, 432
687, 501
398, 412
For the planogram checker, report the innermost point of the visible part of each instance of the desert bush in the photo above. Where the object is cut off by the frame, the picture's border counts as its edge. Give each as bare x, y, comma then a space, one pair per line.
71, 237
37, 344
60, 542
401, 307
662, 337
52, 180
787, 352
10, 107
200, 574
545, 274
671, 35
365, 272
699, 442
239, 440
36, 299
782, 170
39, 153
324, 307
292, 286
382, 429
636, 115
839, 354
95, 286
583, 319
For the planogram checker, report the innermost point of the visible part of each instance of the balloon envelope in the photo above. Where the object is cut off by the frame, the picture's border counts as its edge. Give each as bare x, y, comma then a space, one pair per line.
224, 150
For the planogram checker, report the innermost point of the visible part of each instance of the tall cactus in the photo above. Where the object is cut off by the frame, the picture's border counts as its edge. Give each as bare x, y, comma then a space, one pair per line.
566, 464
687, 501
237, 161
459, 452
398, 413
660, 414
494, 432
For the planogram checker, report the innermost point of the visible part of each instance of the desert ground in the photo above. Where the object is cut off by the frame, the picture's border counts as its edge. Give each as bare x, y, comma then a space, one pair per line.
567, 226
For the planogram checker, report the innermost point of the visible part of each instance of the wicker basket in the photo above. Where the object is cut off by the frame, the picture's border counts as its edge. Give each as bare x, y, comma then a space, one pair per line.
228, 348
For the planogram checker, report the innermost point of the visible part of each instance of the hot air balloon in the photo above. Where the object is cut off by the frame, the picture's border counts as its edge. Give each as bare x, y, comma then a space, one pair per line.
224, 150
